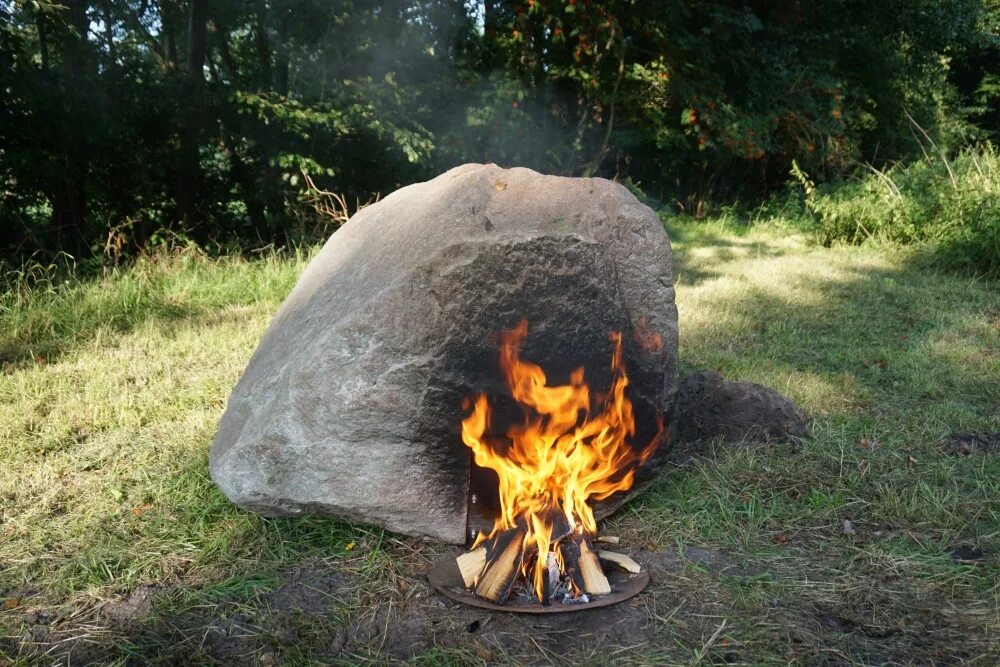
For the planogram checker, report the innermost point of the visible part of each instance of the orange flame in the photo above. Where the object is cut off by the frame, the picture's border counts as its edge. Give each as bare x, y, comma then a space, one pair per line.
561, 457
648, 340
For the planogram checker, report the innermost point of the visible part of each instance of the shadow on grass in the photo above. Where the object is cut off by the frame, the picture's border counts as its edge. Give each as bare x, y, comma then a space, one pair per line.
46, 338
835, 324
46, 322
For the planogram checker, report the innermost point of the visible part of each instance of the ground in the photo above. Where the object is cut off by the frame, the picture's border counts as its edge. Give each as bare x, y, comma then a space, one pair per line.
876, 541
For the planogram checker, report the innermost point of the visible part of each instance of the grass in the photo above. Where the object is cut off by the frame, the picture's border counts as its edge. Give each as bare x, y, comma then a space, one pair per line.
115, 546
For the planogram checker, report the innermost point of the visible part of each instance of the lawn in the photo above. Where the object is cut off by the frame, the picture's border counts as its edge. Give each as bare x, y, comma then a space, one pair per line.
875, 541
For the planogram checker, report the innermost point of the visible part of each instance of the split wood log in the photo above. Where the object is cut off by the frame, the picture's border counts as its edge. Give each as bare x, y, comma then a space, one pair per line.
610, 539
569, 549
551, 580
502, 565
560, 527
594, 581
471, 565
621, 560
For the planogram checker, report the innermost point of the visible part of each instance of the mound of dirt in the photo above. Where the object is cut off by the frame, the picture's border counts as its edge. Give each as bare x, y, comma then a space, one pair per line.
709, 408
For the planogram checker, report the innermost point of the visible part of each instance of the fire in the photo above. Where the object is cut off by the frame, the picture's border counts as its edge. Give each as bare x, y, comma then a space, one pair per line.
561, 458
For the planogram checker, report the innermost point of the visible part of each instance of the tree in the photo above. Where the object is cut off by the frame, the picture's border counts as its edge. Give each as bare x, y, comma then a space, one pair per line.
124, 117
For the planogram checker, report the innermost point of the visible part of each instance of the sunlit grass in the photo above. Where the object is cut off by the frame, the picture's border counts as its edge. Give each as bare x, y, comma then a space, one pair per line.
888, 360
108, 400
111, 390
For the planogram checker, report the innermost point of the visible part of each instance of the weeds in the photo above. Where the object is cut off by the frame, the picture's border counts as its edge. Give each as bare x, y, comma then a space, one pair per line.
949, 208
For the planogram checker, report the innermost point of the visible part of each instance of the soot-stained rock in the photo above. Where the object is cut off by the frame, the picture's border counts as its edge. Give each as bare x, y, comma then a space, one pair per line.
707, 407
351, 405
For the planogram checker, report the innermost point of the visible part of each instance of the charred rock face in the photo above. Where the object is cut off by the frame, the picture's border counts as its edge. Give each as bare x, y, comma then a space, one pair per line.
352, 404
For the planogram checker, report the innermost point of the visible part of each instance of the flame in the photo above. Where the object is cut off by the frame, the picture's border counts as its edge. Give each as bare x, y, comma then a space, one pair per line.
646, 337
561, 457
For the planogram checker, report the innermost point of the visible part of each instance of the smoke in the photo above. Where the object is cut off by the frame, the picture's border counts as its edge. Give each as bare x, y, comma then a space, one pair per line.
423, 68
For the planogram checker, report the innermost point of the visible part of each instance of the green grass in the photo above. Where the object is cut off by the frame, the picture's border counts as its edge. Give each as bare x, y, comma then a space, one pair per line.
111, 390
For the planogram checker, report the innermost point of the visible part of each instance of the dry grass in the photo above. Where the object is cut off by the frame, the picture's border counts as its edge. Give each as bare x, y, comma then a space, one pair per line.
115, 546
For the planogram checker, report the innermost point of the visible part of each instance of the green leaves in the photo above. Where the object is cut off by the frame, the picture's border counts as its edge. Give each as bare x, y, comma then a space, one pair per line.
690, 99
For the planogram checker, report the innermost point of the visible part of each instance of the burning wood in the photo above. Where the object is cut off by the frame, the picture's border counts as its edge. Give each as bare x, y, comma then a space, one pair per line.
570, 552
594, 581
502, 566
566, 454
552, 578
573, 568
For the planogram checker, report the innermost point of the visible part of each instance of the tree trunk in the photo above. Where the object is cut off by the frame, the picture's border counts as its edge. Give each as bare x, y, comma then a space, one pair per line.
594, 165
43, 39
197, 20
229, 67
240, 173
281, 67
109, 35
168, 15
188, 176
69, 204
69, 197
263, 45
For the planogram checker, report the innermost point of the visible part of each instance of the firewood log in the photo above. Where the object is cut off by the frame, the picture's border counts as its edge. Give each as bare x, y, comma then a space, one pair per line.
560, 527
569, 549
551, 580
594, 581
502, 566
471, 565
621, 560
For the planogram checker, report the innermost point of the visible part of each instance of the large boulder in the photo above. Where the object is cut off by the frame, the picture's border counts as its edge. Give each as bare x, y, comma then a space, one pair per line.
351, 405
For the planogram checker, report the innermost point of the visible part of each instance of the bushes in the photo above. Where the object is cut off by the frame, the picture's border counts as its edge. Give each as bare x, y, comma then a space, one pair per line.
951, 208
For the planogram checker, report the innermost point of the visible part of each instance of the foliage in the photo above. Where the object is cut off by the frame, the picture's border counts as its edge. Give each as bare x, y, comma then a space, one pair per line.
123, 120
950, 207
719, 98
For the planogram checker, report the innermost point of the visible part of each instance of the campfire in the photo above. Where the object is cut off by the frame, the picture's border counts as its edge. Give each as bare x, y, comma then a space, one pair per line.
572, 448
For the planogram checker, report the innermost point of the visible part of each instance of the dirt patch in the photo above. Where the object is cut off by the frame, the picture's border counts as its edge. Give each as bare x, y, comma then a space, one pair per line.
424, 621
670, 560
964, 444
967, 553
312, 591
708, 408
428, 621
134, 608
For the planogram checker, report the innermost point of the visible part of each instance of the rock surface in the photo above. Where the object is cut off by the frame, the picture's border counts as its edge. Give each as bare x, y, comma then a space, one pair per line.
707, 408
351, 405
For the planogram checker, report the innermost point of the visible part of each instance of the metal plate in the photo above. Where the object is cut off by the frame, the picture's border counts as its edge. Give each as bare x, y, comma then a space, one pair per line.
623, 586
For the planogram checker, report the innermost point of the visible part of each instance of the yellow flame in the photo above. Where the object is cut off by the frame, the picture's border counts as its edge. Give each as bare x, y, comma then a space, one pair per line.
561, 457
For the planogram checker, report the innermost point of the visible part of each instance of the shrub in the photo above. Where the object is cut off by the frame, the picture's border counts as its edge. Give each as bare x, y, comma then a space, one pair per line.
951, 208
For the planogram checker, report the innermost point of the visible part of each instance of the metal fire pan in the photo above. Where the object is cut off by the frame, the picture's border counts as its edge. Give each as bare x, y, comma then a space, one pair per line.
446, 580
